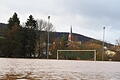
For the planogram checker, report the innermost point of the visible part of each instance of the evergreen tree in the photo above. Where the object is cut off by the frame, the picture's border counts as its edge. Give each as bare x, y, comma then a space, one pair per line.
31, 23
13, 37
14, 21
31, 36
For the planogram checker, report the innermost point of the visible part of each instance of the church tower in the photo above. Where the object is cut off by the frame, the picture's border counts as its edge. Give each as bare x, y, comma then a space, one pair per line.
70, 36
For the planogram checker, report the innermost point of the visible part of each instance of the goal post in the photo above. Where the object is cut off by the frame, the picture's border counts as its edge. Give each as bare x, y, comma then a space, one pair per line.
58, 52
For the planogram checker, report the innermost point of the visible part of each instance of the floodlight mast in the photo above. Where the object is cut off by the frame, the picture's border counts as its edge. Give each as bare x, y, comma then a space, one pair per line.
103, 44
48, 27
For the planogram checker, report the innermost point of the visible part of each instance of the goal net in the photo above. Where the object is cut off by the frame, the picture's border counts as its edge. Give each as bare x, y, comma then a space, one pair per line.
77, 54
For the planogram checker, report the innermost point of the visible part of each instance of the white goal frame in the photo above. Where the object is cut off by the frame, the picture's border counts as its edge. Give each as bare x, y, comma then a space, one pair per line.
75, 51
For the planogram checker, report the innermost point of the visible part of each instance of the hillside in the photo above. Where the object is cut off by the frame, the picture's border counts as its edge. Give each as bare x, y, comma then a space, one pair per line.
81, 38
3, 28
78, 37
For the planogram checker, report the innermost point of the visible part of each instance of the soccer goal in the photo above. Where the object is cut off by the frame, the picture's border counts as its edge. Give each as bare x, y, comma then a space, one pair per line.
77, 54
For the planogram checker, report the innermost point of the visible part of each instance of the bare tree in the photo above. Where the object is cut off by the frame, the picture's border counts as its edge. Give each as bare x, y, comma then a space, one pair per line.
42, 28
118, 42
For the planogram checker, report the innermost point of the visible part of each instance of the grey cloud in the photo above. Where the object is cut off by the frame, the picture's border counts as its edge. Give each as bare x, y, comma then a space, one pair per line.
37, 6
103, 11
87, 14
95, 8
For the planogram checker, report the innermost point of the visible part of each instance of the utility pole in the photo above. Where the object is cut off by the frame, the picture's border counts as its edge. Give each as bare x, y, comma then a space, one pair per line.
103, 43
48, 27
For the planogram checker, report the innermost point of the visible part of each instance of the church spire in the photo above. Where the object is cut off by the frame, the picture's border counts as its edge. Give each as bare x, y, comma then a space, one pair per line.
71, 30
70, 34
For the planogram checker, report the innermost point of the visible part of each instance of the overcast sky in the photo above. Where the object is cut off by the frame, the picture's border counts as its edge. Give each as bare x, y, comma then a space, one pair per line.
87, 17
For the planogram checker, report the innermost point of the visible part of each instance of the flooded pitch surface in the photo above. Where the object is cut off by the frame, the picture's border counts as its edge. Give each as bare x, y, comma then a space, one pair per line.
37, 69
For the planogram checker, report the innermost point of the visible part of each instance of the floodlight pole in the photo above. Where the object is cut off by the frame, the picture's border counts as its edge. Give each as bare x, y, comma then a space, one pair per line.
48, 27
103, 43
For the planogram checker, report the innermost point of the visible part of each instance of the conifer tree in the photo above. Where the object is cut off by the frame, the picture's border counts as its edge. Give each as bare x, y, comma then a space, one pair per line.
13, 37
31, 23
31, 36
13, 21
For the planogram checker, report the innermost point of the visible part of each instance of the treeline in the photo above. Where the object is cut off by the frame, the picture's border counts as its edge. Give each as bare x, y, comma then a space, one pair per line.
30, 40
25, 40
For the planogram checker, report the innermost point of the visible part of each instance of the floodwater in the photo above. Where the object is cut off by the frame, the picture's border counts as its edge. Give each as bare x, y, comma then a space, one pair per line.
37, 69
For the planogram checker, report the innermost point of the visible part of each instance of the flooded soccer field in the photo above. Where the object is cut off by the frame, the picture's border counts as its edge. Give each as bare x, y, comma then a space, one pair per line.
37, 69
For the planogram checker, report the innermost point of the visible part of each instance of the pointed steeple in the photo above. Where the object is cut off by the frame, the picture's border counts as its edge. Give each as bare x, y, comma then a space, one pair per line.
71, 30
70, 34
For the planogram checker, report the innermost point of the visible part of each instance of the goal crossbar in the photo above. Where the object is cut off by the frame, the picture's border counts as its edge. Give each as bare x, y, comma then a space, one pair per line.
77, 51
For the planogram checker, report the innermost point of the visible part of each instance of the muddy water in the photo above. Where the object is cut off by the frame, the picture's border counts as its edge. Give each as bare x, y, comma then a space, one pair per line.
37, 69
